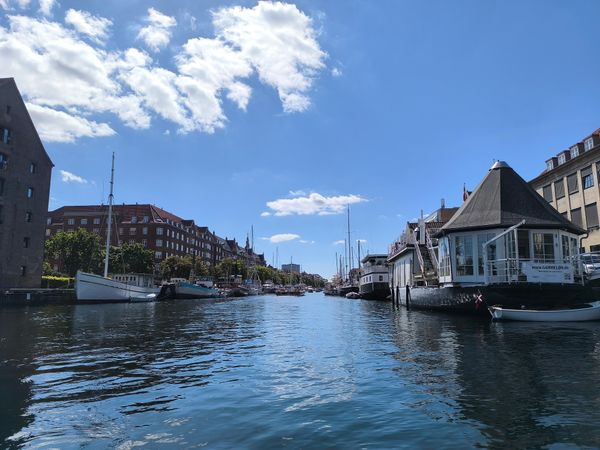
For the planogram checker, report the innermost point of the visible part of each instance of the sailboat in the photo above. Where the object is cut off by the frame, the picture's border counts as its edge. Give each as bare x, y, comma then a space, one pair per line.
90, 287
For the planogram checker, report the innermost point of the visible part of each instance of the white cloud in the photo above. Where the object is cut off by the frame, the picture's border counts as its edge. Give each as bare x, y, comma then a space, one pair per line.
64, 69
265, 214
304, 241
157, 33
280, 42
46, 7
335, 72
89, 25
283, 237
297, 193
69, 177
58, 126
340, 242
314, 203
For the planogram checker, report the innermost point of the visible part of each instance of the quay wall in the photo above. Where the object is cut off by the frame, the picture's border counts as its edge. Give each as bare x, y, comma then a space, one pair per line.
32, 297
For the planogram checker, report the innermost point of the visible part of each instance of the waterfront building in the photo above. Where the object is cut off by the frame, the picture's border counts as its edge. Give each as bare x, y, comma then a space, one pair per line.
25, 171
162, 232
570, 183
290, 268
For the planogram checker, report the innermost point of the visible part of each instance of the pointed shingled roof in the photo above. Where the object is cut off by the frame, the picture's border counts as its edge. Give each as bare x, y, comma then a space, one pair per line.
502, 200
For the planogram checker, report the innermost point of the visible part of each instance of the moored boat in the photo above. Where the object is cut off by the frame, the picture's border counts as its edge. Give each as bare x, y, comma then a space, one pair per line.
374, 279
581, 313
504, 246
187, 289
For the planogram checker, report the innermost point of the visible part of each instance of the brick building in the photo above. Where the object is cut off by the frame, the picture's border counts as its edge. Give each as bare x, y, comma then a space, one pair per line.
25, 171
570, 184
162, 232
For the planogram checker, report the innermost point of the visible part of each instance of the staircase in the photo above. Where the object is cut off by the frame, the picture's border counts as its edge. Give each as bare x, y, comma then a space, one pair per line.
428, 275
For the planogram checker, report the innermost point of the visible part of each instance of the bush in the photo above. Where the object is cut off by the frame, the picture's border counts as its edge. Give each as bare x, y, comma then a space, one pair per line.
52, 282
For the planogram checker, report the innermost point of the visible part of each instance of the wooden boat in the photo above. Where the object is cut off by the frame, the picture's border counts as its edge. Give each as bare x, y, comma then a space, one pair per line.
374, 281
120, 288
582, 313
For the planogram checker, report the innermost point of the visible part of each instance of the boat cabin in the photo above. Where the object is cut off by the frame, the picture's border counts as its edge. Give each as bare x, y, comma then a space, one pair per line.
374, 269
135, 279
504, 232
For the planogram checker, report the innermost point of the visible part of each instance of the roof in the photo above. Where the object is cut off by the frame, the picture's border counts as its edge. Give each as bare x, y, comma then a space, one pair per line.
504, 199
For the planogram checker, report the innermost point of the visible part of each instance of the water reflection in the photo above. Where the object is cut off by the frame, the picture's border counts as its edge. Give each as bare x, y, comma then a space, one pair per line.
270, 372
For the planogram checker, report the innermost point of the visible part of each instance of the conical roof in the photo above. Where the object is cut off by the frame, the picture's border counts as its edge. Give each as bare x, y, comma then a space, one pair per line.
504, 199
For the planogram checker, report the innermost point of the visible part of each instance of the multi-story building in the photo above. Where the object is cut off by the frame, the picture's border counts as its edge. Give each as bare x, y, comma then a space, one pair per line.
25, 170
570, 184
290, 268
162, 232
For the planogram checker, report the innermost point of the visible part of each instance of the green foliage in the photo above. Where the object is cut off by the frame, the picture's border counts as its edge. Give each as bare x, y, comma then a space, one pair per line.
130, 258
176, 267
230, 266
52, 282
75, 250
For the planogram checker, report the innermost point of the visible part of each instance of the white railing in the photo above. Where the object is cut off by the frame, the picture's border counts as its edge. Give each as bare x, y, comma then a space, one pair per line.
519, 270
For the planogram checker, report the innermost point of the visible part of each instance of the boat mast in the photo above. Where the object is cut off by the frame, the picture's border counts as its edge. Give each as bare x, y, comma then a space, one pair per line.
349, 257
358, 245
110, 203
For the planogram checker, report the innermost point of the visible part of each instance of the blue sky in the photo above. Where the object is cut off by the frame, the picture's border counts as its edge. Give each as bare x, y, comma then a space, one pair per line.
218, 109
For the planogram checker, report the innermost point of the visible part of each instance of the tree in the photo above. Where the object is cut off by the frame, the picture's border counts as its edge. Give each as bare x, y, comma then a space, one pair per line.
130, 258
74, 250
229, 267
176, 267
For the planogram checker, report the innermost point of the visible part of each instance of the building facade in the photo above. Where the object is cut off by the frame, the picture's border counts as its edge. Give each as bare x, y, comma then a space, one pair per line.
160, 231
570, 184
25, 171
290, 268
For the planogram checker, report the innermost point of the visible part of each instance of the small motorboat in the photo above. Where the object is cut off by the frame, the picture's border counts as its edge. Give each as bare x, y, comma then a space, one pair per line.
353, 295
579, 313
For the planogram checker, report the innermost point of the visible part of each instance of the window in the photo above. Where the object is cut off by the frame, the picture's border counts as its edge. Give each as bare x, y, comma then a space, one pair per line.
132, 231
576, 217
134, 219
574, 151
1, 186
23, 271
491, 250
25, 242
549, 165
380, 277
131, 241
32, 168
145, 230
572, 183
559, 189
159, 242
145, 242
29, 192
5, 135
548, 193
464, 255
28, 216
157, 255
96, 220
84, 221
48, 232
70, 221
589, 144
543, 247
48, 220
3, 161
159, 231
562, 158
146, 219
591, 216
587, 179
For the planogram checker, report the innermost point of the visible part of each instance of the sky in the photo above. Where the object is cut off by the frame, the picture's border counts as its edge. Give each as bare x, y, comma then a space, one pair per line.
277, 115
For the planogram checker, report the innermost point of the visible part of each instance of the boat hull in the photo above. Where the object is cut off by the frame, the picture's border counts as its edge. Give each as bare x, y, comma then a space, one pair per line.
374, 291
476, 299
591, 312
189, 290
95, 288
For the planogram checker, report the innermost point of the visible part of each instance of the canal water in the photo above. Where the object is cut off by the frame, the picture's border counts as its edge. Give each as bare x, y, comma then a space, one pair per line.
292, 372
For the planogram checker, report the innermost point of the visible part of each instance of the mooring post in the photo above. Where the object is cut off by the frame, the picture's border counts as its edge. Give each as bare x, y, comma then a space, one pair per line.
407, 296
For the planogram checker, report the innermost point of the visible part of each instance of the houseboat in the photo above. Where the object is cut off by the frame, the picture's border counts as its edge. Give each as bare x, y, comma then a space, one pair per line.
504, 246
374, 279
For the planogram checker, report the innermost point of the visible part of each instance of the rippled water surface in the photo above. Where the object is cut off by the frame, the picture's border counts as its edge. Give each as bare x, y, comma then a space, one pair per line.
310, 372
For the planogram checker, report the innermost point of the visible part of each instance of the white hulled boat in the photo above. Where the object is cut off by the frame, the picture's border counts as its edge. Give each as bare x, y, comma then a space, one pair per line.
121, 288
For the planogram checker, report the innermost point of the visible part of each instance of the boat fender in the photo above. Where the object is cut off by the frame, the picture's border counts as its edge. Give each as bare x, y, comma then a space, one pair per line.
478, 300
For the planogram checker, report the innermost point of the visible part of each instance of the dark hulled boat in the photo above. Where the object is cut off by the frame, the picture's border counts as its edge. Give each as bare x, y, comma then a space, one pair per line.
505, 246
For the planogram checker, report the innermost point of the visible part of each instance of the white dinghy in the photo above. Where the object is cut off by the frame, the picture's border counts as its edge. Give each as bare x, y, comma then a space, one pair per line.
587, 312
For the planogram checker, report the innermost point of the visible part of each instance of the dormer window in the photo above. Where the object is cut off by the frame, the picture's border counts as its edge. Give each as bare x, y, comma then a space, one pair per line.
574, 151
589, 144
549, 165
5, 135
562, 158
